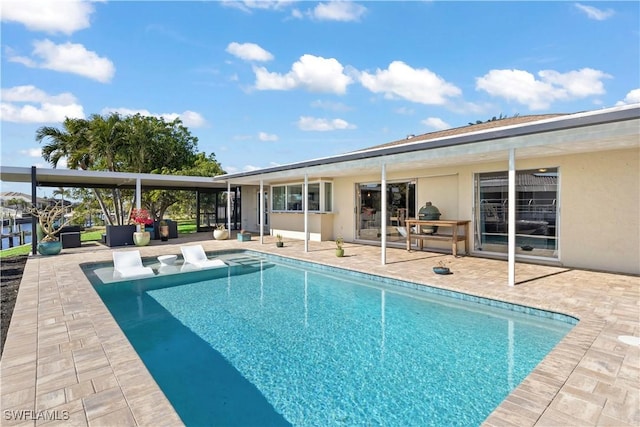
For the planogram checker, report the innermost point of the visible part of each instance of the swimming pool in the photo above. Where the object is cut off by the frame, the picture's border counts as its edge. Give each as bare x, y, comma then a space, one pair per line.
275, 342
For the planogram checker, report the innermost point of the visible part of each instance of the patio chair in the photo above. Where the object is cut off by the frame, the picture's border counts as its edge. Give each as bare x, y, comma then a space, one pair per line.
128, 264
195, 257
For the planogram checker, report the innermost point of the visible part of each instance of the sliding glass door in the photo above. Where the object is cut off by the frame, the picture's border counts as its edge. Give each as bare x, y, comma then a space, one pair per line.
401, 202
537, 212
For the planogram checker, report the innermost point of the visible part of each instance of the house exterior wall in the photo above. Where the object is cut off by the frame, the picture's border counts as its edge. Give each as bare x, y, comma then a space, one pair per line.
601, 211
291, 225
442, 191
599, 199
599, 203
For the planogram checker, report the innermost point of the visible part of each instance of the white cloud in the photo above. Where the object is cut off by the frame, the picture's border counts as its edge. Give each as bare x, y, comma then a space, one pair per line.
595, 13
344, 11
189, 118
436, 123
312, 73
192, 119
68, 57
44, 113
263, 136
416, 85
32, 152
538, 94
30, 93
632, 97
266, 80
577, 84
323, 125
28, 104
249, 52
49, 16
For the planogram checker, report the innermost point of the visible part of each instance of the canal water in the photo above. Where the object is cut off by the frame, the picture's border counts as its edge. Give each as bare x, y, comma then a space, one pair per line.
15, 230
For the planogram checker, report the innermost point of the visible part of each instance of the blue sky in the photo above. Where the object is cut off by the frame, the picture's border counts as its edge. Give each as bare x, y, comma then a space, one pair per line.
263, 83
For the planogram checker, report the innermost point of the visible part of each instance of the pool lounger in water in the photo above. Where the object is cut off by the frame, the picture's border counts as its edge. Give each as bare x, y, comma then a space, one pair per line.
128, 264
195, 258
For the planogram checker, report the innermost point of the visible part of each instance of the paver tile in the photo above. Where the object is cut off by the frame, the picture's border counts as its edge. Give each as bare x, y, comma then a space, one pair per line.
590, 378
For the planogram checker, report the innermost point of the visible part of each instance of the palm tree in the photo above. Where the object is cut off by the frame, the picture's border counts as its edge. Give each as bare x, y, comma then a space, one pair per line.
62, 193
86, 144
107, 137
71, 143
132, 144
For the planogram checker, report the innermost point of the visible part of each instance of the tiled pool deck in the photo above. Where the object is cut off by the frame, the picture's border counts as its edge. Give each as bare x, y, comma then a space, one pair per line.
66, 358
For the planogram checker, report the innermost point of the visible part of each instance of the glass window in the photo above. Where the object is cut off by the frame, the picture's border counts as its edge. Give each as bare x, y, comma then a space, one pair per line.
279, 198
328, 197
314, 197
290, 197
536, 211
294, 197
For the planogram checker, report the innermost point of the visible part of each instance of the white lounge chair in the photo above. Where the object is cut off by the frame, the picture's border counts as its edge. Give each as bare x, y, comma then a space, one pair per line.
194, 256
128, 264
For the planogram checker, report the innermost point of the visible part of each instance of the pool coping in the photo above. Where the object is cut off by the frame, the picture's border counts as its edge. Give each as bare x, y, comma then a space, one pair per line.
66, 357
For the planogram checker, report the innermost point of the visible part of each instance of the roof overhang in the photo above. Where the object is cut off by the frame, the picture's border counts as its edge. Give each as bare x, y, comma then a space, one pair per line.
100, 179
608, 129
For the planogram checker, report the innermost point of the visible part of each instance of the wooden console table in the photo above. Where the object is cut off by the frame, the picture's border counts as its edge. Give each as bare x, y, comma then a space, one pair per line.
454, 237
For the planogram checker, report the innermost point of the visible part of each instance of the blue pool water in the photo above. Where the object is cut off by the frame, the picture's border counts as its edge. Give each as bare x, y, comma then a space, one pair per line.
268, 342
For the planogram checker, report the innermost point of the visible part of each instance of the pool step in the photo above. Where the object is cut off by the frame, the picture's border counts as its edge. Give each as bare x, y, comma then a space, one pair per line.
246, 261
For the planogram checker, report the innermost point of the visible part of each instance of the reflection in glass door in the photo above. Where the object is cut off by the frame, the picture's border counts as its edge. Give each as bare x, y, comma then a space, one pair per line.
265, 223
537, 212
401, 203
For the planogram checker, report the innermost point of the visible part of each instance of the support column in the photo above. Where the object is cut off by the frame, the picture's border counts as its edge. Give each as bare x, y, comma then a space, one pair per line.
228, 209
139, 201
383, 216
34, 204
512, 217
261, 209
198, 224
305, 203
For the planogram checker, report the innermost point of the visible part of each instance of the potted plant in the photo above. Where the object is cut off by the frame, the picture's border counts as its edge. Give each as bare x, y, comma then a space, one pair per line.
279, 242
164, 230
442, 267
244, 236
50, 220
220, 232
141, 218
339, 248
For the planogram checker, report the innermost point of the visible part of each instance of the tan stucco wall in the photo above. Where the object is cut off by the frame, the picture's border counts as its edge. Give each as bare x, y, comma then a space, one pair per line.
291, 225
600, 211
442, 192
599, 201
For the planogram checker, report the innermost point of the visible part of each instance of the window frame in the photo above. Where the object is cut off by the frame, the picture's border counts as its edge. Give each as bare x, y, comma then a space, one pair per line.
490, 214
324, 191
